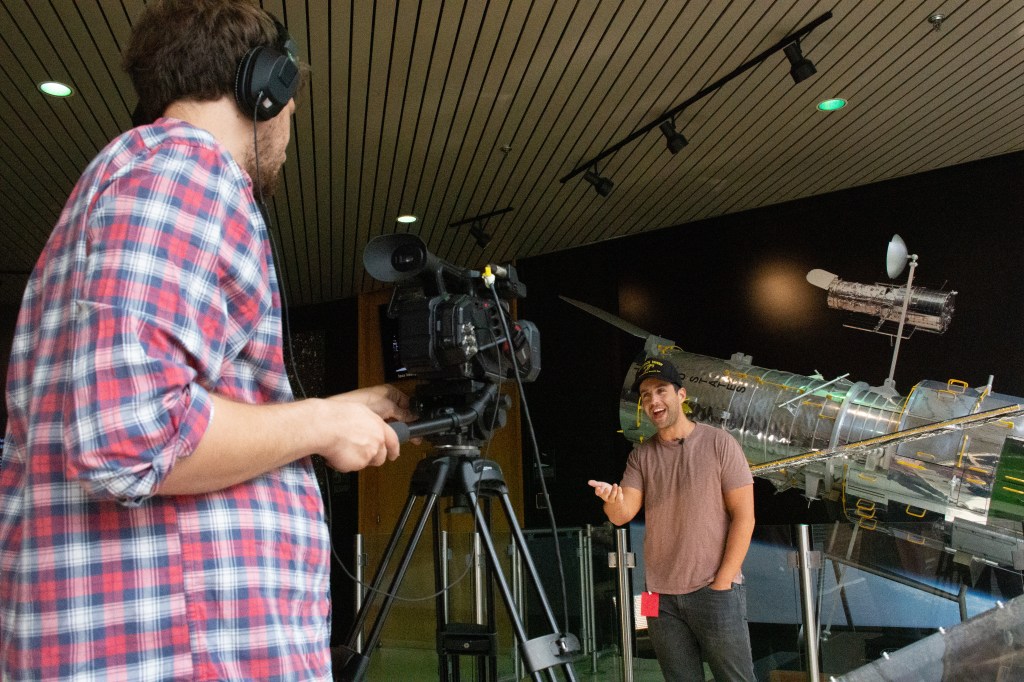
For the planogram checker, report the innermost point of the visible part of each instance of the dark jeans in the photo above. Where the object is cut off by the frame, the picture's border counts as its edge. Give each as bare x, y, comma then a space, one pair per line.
706, 624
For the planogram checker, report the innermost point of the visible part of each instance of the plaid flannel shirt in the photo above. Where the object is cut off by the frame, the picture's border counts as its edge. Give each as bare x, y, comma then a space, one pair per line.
155, 289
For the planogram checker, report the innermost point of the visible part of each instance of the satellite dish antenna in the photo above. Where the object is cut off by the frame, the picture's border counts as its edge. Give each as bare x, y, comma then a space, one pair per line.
896, 257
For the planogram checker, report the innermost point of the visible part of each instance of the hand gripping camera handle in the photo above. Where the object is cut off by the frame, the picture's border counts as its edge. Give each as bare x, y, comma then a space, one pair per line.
448, 421
401, 430
428, 427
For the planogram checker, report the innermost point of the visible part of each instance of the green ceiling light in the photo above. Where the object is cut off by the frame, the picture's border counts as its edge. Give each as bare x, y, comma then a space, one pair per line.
55, 89
406, 218
831, 104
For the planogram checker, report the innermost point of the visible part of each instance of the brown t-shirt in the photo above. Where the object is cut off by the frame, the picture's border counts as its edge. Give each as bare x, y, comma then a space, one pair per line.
687, 523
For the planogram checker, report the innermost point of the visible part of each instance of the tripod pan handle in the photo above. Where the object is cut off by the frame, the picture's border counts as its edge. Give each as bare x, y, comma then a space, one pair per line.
401, 430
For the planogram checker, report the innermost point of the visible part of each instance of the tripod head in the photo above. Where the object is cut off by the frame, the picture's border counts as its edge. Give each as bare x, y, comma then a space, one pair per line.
458, 412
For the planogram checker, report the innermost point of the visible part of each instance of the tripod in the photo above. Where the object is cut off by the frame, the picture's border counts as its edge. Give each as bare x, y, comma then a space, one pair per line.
458, 470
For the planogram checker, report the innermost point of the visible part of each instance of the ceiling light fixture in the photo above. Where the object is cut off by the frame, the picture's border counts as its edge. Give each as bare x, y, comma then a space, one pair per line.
674, 139
406, 218
55, 89
833, 104
601, 184
801, 67
477, 231
806, 68
476, 225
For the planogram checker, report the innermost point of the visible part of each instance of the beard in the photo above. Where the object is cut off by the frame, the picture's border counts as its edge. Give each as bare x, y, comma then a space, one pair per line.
265, 160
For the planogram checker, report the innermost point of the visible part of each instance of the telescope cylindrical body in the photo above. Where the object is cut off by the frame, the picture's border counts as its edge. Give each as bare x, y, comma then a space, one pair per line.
928, 309
756, 405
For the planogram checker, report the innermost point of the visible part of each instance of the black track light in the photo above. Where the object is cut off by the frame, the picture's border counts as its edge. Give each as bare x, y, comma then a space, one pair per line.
801, 70
476, 226
481, 237
602, 185
801, 67
673, 138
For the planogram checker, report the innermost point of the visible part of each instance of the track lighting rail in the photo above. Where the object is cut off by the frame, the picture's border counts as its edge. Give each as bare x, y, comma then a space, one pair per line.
670, 115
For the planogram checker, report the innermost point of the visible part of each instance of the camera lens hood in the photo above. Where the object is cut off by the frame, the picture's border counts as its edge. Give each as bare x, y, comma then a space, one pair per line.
396, 257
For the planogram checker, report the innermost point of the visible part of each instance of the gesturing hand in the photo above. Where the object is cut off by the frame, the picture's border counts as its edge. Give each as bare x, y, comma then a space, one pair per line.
608, 492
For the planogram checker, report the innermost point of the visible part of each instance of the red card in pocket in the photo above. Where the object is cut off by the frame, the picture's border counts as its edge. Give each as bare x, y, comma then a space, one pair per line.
649, 604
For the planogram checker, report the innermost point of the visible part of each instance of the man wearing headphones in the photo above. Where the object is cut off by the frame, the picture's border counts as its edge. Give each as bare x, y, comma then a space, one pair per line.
697, 491
159, 516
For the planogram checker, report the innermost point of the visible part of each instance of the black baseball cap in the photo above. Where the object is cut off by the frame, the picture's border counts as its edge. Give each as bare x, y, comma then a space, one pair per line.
654, 368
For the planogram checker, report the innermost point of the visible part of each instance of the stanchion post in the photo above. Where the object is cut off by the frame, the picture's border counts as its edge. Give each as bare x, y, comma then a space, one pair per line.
623, 561
806, 560
359, 569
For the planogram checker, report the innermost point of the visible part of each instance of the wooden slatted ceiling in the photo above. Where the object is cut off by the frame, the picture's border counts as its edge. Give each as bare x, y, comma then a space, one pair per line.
452, 109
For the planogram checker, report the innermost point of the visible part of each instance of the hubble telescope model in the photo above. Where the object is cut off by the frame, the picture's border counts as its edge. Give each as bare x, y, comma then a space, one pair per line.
907, 306
947, 456
946, 452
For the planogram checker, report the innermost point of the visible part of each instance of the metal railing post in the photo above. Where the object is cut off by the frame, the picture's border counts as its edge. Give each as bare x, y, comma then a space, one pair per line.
358, 571
589, 608
805, 561
582, 568
623, 561
518, 574
479, 609
443, 557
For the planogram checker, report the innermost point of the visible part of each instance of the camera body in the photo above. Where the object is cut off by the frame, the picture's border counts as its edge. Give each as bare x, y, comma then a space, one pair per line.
460, 336
452, 325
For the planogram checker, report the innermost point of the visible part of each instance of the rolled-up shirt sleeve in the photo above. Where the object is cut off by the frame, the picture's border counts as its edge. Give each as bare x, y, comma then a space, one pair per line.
150, 324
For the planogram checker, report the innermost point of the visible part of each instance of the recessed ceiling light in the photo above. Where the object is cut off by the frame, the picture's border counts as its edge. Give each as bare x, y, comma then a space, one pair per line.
831, 104
55, 89
406, 218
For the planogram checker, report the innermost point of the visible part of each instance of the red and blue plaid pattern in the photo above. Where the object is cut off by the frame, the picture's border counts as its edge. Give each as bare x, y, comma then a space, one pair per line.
155, 289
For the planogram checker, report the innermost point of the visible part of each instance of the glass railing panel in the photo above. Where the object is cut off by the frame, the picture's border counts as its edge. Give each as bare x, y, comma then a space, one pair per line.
876, 591
409, 640
875, 594
886, 587
591, 592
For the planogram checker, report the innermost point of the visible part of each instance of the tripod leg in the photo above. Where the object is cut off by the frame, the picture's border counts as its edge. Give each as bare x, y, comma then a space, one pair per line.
355, 668
520, 541
378, 578
441, 601
498, 575
492, 661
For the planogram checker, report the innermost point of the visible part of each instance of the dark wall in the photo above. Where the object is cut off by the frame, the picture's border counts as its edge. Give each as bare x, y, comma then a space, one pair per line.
736, 283
573, 403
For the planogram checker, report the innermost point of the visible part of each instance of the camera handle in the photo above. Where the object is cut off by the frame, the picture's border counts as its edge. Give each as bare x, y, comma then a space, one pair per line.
449, 421
462, 472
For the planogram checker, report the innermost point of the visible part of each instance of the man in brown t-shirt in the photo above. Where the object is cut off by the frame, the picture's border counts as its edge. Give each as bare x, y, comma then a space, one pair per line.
698, 495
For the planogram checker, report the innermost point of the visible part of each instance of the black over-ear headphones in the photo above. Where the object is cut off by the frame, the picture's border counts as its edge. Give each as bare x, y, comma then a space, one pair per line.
267, 77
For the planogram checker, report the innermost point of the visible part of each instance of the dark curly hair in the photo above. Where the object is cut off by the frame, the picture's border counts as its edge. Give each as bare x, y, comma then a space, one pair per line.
190, 49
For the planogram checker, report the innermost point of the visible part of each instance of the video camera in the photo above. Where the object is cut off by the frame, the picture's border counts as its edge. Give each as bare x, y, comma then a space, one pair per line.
452, 331
447, 328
